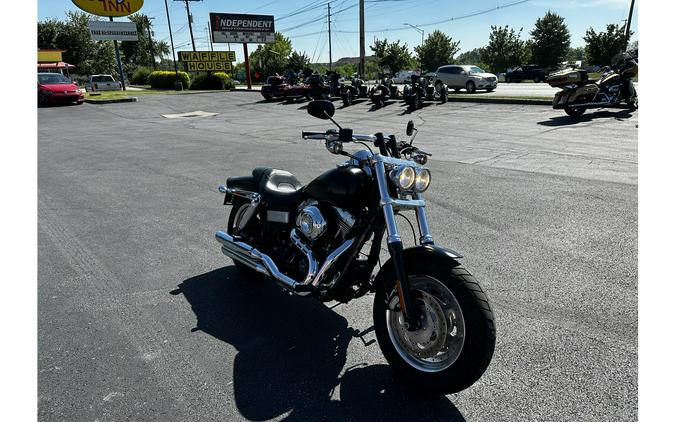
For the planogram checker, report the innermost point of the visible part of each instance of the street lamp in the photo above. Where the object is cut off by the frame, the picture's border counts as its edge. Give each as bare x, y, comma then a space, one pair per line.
416, 29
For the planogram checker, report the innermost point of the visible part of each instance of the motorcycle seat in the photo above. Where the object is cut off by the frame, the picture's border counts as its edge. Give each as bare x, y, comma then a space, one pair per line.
277, 186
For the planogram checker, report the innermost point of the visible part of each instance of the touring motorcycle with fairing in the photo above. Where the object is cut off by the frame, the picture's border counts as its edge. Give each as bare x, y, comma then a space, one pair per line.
433, 321
579, 94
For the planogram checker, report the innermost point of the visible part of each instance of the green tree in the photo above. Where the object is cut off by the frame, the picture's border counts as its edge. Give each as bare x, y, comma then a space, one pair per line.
474, 56
550, 40
633, 49
272, 58
575, 54
393, 56
72, 35
298, 61
602, 46
504, 50
438, 49
138, 53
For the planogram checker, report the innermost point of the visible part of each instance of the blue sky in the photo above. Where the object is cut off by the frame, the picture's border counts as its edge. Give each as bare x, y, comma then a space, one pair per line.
384, 19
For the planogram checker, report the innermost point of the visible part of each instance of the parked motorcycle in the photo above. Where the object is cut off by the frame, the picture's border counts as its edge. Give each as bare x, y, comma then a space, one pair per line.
351, 89
382, 91
578, 94
432, 319
324, 87
421, 89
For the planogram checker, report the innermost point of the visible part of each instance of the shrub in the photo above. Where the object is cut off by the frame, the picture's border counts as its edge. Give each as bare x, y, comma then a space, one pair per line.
206, 81
213, 81
165, 79
227, 80
140, 76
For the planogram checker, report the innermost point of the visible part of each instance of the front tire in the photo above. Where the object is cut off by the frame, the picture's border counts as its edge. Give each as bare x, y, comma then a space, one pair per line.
470, 87
457, 341
633, 104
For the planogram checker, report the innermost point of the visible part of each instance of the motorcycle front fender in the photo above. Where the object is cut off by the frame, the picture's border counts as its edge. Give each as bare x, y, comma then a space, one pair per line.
430, 254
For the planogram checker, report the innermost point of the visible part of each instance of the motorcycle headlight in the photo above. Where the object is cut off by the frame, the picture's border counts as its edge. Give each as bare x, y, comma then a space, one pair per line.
422, 180
403, 177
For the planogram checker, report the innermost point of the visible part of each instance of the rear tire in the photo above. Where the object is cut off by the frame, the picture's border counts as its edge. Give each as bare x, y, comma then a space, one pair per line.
449, 354
575, 111
444, 95
537, 79
346, 99
267, 97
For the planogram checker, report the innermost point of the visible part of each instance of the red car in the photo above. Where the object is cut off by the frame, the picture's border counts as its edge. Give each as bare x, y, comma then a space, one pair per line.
54, 88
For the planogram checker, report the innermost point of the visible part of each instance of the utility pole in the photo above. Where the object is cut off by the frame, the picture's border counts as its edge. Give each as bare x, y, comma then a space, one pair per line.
187, 7
630, 18
362, 40
173, 51
417, 29
330, 50
209, 35
152, 50
119, 62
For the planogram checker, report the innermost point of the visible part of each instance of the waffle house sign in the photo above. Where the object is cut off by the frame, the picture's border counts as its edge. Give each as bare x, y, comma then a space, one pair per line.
207, 61
109, 7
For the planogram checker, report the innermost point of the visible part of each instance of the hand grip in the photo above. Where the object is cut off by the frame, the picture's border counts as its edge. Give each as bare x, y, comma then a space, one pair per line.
313, 135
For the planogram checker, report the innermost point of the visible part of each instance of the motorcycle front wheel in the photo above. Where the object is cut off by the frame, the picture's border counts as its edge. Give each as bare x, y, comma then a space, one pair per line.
454, 346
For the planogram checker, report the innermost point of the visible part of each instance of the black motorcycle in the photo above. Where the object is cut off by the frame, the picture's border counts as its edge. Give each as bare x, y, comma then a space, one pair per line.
421, 89
352, 89
383, 90
432, 319
579, 94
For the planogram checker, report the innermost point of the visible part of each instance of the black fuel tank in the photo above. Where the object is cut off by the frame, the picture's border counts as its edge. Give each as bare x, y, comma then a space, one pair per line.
344, 187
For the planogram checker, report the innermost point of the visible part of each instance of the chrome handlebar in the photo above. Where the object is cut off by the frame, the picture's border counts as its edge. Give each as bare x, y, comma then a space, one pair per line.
333, 135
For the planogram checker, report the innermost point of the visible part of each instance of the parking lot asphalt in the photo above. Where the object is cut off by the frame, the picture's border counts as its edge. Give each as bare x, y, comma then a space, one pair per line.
142, 318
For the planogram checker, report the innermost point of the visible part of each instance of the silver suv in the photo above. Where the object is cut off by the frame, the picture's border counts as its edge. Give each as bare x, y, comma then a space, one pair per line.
467, 77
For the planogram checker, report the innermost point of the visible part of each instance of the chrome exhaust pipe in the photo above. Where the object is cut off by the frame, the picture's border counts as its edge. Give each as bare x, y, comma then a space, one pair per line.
262, 263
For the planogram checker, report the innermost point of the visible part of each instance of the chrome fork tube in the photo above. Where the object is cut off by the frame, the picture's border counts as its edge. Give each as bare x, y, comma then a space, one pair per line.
425, 234
387, 206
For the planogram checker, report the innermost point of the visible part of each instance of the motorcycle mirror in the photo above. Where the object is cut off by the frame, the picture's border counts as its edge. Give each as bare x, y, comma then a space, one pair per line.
410, 128
322, 109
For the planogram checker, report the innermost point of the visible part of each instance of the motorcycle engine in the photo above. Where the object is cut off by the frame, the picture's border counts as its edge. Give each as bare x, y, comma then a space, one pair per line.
310, 222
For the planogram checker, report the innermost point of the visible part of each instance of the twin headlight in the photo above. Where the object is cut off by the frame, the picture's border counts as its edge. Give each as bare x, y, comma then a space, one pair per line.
410, 178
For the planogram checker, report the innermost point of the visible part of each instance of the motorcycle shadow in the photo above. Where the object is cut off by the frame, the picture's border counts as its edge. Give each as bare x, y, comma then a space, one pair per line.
375, 107
291, 352
565, 120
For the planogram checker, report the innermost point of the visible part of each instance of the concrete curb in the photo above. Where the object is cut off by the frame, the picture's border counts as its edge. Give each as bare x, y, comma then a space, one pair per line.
463, 99
488, 100
112, 100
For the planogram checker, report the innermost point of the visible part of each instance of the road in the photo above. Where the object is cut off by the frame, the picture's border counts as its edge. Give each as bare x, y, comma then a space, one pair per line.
142, 318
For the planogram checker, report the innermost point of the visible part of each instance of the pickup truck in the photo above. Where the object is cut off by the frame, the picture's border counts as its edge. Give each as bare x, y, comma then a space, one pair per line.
526, 72
104, 83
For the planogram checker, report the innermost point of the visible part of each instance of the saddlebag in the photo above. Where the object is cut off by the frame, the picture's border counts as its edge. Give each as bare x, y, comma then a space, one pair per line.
566, 77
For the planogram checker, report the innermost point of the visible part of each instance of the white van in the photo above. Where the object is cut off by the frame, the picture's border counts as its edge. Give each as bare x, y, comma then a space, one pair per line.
403, 77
